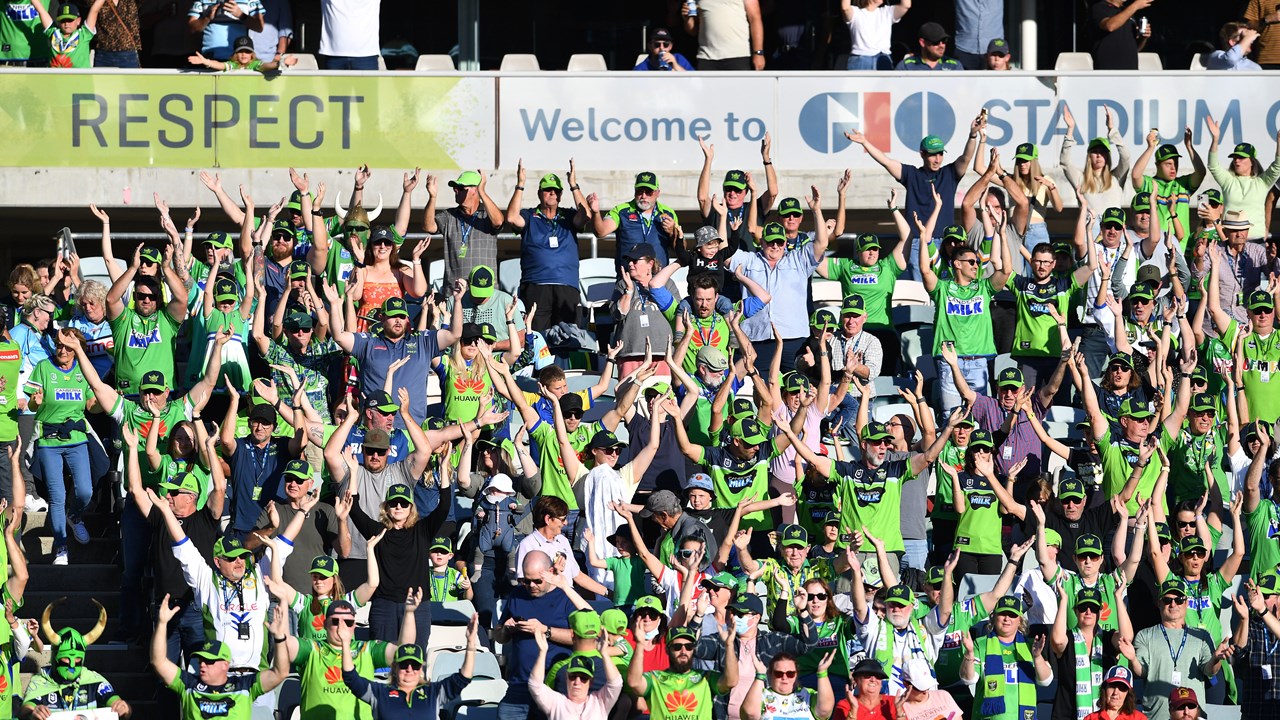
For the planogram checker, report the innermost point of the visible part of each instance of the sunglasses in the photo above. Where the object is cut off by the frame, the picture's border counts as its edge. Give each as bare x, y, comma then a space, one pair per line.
1072, 501
610, 450
398, 503
1142, 301
661, 43
775, 242
817, 596
291, 480
471, 341
349, 622
1187, 707
410, 665
779, 674
1175, 600
1186, 523
966, 261
1196, 553
579, 677
139, 297
1082, 609
375, 451
680, 646
1119, 368
65, 348
208, 661
530, 582
1262, 311
576, 414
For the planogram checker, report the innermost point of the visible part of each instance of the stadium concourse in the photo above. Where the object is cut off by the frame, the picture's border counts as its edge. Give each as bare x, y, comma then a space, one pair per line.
751, 396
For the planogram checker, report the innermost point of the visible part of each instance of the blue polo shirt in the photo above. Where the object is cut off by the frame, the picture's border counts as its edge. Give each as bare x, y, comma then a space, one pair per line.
255, 480
375, 354
787, 284
275, 281
551, 610
549, 248
388, 703
919, 182
634, 229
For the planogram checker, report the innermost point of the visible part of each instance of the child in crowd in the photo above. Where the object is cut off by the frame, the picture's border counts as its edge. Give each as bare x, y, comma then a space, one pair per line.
68, 35
242, 58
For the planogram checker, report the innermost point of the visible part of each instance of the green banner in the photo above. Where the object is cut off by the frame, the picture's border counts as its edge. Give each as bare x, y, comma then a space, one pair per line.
245, 120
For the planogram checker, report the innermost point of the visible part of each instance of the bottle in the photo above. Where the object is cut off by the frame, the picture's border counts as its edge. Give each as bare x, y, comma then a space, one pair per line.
693, 7
1143, 25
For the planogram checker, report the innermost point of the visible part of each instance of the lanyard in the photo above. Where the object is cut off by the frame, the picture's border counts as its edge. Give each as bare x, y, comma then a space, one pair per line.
465, 227
238, 587
646, 228
1181, 646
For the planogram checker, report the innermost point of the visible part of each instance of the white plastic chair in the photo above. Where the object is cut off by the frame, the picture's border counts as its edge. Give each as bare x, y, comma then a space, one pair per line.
434, 63
306, 61
586, 62
509, 275
910, 292
1074, 61
382, 64
825, 292
520, 62
1199, 61
1150, 62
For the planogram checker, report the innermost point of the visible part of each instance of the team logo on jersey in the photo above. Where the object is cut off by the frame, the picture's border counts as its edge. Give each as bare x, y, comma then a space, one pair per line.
738, 482
68, 394
333, 675
141, 341
870, 496
981, 501
681, 700
465, 385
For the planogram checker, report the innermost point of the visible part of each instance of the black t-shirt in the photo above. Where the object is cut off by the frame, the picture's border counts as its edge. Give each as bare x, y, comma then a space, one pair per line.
740, 238
1064, 669
1098, 520
201, 529
1116, 50
715, 519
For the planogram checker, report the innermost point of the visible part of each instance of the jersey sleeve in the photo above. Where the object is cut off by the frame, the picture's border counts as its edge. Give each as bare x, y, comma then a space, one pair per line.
194, 569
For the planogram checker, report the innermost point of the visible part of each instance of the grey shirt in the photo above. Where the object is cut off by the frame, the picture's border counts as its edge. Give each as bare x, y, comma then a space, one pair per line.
644, 319
1156, 648
372, 488
319, 536
469, 240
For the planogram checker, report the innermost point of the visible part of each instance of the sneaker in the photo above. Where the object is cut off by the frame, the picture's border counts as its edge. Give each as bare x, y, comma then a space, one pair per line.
36, 504
61, 557
79, 531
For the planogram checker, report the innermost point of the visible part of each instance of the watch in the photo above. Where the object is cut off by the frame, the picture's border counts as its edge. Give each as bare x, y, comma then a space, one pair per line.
547, 633
757, 52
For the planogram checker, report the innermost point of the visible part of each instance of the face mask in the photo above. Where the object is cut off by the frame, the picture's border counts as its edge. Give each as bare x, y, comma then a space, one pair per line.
741, 624
651, 634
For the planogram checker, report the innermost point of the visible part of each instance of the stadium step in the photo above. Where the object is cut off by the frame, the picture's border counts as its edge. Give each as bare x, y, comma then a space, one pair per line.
103, 546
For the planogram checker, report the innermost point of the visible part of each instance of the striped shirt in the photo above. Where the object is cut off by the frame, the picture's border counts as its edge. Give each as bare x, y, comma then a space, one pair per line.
1022, 440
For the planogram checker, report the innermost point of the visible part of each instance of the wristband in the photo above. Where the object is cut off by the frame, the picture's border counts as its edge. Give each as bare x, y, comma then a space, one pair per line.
822, 673
574, 188
768, 162
520, 187
280, 639
761, 677
317, 213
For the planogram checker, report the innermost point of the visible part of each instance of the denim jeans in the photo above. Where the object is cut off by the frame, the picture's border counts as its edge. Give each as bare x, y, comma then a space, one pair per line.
870, 62
975, 371
916, 554
135, 549
518, 704
52, 462
1037, 232
338, 62
847, 411
385, 618
186, 633
116, 59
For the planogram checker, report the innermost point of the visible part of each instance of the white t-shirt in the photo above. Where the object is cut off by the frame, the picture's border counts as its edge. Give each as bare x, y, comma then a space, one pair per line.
871, 29
349, 28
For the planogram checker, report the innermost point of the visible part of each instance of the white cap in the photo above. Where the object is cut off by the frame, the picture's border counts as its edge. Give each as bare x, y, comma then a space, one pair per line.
920, 675
499, 483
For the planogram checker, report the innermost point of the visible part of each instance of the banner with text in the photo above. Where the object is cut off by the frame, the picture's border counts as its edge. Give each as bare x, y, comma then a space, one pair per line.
245, 120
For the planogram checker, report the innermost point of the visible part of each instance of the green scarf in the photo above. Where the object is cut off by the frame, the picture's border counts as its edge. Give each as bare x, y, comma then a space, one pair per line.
885, 640
1088, 673
990, 703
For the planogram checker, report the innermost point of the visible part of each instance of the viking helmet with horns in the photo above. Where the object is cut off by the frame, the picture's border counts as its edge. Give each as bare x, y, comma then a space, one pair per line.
68, 644
356, 213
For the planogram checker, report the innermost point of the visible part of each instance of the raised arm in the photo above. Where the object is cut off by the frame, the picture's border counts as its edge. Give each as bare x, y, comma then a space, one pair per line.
892, 166
1153, 137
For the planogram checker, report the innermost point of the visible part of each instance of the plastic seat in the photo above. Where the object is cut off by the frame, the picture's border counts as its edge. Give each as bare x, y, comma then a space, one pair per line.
382, 64
1150, 62
976, 585
435, 274
509, 275
454, 612
886, 412
1221, 712
448, 662
912, 315
488, 711
639, 59
597, 295
825, 292
520, 62
917, 351
1064, 414
1198, 61
1074, 61
587, 62
306, 61
910, 292
434, 63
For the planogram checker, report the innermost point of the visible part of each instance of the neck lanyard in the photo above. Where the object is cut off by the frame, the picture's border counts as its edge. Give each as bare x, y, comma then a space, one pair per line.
238, 587
1181, 646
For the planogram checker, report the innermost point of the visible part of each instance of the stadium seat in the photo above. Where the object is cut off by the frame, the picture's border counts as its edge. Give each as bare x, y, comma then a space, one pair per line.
1221, 712
509, 275
912, 315
434, 63
681, 280
917, 342
886, 412
597, 295
972, 585
95, 268
586, 62
910, 292
382, 64
826, 293
435, 274
1064, 414
520, 62
639, 59
448, 662
488, 711
1150, 62
306, 61
1199, 61
1074, 61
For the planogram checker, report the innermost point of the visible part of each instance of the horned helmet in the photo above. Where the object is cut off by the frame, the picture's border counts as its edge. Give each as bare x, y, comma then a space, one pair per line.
69, 646
355, 219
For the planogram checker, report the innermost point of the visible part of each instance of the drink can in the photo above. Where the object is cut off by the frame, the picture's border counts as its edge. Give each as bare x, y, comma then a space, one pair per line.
693, 7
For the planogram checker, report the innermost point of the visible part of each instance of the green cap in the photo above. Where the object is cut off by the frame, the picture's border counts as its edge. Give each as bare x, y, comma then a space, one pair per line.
741, 406
900, 595
748, 430
550, 181
1260, 299
394, 307
1113, 216
579, 663
186, 482
382, 401
1244, 150
1141, 291
1203, 402
482, 282
1010, 604
218, 239
299, 469
1071, 488
399, 491
866, 241
875, 431
284, 227
324, 565
1135, 409
1141, 202
1064, 248
584, 623
773, 231
299, 270
853, 305
230, 547
1166, 151
649, 602
614, 621
1088, 596
213, 650
1122, 358
67, 11
981, 438
443, 544
468, 178
1214, 195
153, 380
1052, 538
735, 179
647, 180
299, 321
150, 256
1163, 532
681, 631
411, 653
1026, 151
954, 232
831, 518
795, 381
1010, 377
721, 581
1191, 543
225, 290
295, 201
934, 575
1099, 144
1269, 584
794, 536
790, 206
1172, 586
1089, 544
932, 144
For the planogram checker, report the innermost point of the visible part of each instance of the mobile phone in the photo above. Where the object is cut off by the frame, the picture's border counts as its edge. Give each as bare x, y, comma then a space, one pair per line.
846, 538
983, 114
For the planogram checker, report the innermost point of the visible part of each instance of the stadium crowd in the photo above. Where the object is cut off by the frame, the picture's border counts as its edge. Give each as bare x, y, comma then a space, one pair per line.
1042, 486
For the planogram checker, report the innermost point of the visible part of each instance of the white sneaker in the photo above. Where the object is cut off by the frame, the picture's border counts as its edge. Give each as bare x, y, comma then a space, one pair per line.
61, 557
37, 504
79, 531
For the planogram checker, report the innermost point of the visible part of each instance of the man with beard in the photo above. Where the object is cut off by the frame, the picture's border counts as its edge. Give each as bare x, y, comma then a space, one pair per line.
640, 221
549, 248
145, 335
679, 692
257, 463
932, 56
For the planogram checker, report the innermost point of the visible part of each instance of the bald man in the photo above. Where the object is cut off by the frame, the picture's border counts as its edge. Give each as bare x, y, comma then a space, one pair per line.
540, 605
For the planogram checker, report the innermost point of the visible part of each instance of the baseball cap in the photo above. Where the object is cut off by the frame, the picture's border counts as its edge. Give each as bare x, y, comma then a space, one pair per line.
1244, 150
1150, 274
853, 305
1269, 584
153, 380
324, 565
1026, 151
605, 439
225, 290
700, 481
1010, 604
1172, 586
1261, 299
382, 234
1010, 377
299, 321
614, 621
399, 491
68, 11
934, 575
1141, 202
868, 666
585, 623
748, 430
773, 231
831, 518
681, 631
954, 232
410, 653
1200, 375
578, 662
1123, 358
920, 675
381, 400
1213, 195
932, 32
1166, 151
981, 438
1052, 538
1113, 216
660, 34
735, 179
866, 241
394, 307
1203, 402
1135, 409
484, 331
1163, 532
570, 403
1099, 144
550, 181
442, 544
931, 143
230, 547
647, 180
648, 602
1071, 488
1182, 697
639, 251
790, 206
284, 227
187, 482
1119, 675
338, 606
1089, 544
217, 239
213, 649
149, 255
1191, 543
481, 282
376, 439
662, 501
300, 469
468, 178
706, 234
299, 270
263, 414
1141, 291
794, 536
721, 580
713, 358
998, 46
1088, 596
876, 431
746, 603
741, 406
244, 42
822, 318
900, 595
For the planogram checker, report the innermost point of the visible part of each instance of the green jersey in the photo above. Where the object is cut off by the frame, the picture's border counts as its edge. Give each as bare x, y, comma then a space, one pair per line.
1106, 584
1036, 333
873, 283
782, 583
139, 420
1261, 365
1118, 457
1178, 190
21, 35
142, 344
978, 532
312, 366
871, 498
463, 390
943, 507
310, 624
446, 586
10, 367
1264, 537
319, 666
555, 479
1204, 601
89, 691
736, 481
65, 394
964, 317
172, 469
838, 633
340, 261
628, 579
69, 51
232, 701
680, 696
235, 364
1187, 460
712, 331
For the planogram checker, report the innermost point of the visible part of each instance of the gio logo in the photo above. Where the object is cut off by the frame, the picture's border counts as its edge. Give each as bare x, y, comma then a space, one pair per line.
825, 118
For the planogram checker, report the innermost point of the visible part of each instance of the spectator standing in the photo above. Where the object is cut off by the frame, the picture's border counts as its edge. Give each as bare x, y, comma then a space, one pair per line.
119, 35
222, 22
730, 34
642, 325
349, 35
470, 230
933, 47
979, 24
641, 221
1101, 185
1257, 640
870, 29
549, 248
1166, 182
1244, 183
273, 39
1264, 16
1117, 40
537, 607
1237, 42
22, 40
661, 57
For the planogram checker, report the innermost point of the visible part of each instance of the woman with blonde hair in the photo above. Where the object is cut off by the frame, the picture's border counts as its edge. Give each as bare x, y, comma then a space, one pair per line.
326, 587
23, 283
1041, 192
1102, 185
